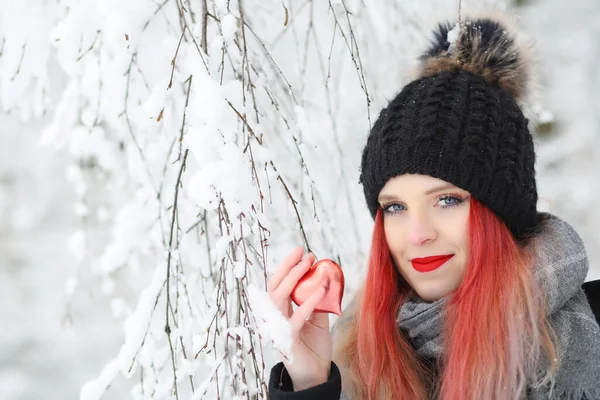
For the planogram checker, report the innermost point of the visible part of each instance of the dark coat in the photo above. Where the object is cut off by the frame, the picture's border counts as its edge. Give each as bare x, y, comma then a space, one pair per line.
280, 386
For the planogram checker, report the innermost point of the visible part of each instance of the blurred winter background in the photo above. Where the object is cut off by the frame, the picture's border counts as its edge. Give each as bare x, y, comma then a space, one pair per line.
90, 157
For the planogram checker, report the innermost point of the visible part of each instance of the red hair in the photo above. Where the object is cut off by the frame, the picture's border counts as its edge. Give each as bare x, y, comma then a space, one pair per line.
494, 329
383, 354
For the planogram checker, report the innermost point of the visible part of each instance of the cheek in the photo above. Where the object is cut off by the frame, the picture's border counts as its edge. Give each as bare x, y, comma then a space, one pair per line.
459, 230
464, 235
463, 238
460, 238
395, 238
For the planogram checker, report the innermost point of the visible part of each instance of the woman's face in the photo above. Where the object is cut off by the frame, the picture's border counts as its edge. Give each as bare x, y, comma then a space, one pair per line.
425, 221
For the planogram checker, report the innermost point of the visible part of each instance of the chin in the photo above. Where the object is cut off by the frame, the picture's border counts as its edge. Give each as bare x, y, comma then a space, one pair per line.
431, 296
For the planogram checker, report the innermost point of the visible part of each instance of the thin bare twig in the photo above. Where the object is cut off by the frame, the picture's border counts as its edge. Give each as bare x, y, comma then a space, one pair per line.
185, 356
91, 46
294, 202
154, 15
249, 147
290, 22
203, 40
175, 59
336, 136
187, 100
158, 295
20, 60
243, 118
160, 189
192, 13
200, 50
169, 256
130, 127
268, 54
352, 45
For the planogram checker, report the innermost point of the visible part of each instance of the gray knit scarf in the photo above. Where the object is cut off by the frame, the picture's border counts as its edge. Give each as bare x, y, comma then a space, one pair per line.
561, 266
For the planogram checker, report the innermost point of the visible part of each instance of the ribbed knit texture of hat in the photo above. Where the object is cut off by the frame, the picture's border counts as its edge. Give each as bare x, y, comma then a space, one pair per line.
458, 127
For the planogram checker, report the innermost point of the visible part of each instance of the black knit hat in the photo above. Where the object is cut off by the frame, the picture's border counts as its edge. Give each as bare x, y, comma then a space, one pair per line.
459, 121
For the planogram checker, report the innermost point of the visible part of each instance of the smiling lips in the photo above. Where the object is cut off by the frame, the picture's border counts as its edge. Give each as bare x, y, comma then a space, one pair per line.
428, 264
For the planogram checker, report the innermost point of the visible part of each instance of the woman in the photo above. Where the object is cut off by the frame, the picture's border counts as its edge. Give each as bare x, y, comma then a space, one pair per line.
470, 292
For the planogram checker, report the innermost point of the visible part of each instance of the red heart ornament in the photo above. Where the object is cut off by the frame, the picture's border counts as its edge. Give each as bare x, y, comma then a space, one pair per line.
326, 273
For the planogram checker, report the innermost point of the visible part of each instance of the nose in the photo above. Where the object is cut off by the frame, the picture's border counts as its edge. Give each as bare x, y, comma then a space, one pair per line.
421, 229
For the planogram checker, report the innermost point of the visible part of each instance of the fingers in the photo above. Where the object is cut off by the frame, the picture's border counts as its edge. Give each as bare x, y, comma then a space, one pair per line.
286, 265
303, 312
286, 287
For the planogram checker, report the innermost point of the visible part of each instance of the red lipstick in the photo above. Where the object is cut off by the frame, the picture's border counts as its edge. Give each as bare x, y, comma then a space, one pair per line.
427, 264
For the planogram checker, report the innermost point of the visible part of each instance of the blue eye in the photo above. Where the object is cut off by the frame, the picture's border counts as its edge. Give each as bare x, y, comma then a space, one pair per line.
393, 208
450, 201
445, 201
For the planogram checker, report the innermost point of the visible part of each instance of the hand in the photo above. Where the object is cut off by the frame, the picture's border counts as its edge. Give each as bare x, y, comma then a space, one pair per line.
312, 346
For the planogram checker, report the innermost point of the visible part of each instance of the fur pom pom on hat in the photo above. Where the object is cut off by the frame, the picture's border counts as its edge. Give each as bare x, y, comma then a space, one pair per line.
459, 121
483, 47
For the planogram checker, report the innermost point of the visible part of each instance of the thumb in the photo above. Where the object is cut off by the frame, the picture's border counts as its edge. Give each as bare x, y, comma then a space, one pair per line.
321, 319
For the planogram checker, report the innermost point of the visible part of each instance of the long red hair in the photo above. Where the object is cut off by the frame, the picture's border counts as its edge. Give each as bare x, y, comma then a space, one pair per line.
495, 331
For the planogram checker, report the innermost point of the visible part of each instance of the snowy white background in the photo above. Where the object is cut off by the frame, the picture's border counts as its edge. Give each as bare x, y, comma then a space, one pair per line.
81, 234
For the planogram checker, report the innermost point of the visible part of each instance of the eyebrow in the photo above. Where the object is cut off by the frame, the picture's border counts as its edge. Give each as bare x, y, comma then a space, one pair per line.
435, 189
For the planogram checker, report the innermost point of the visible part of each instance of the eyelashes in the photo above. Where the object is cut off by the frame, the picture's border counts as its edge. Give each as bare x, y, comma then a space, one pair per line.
386, 206
444, 201
457, 200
